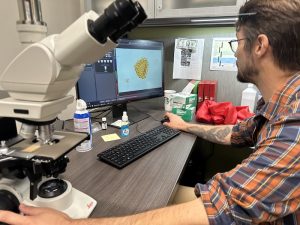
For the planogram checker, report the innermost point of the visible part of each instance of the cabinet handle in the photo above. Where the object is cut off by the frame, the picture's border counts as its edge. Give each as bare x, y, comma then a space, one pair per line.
159, 4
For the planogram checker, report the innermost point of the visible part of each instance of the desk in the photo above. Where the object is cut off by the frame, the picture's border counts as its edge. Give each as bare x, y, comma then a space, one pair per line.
145, 184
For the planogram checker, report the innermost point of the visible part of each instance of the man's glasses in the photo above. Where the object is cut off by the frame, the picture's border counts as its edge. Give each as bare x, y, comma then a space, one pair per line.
235, 43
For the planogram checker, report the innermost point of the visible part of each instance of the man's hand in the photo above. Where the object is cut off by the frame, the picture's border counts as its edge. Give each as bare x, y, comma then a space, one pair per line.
176, 122
220, 134
35, 216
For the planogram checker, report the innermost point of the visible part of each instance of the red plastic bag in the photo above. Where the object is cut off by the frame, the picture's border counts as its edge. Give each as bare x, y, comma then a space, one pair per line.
221, 112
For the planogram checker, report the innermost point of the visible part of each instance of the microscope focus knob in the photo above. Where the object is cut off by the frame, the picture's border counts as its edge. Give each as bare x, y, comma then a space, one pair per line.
8, 201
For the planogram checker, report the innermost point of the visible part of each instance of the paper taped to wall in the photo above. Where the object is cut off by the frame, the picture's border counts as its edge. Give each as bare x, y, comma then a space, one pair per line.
188, 56
222, 57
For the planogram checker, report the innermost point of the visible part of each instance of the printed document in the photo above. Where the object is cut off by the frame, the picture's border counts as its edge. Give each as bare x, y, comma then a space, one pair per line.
188, 56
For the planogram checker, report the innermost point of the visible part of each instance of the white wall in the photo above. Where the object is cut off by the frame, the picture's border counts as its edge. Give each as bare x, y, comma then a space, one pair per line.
9, 43
58, 14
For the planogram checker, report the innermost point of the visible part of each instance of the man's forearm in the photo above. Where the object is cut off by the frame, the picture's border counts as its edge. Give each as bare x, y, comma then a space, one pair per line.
220, 134
190, 213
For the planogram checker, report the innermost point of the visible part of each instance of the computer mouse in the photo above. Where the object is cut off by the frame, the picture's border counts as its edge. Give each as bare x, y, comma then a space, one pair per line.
165, 119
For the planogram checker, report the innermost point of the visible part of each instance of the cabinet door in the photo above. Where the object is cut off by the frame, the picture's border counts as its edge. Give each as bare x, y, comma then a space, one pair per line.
197, 8
99, 6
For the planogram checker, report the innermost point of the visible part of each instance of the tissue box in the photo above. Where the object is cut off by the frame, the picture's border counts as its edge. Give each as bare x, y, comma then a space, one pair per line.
186, 114
184, 101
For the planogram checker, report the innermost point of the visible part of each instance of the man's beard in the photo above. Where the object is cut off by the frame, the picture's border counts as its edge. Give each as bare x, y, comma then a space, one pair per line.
246, 74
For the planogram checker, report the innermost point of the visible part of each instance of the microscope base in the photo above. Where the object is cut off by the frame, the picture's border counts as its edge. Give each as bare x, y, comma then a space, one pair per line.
73, 202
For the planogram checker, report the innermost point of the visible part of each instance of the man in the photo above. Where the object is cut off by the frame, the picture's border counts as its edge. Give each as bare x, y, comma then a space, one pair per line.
264, 188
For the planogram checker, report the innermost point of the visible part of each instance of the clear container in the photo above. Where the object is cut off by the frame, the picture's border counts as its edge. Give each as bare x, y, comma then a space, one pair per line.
250, 97
82, 123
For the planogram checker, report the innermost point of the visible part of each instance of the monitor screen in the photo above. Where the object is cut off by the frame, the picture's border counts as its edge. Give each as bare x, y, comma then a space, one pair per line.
130, 72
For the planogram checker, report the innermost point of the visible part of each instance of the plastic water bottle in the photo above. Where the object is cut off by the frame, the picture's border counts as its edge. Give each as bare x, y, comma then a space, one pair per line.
125, 125
82, 123
250, 97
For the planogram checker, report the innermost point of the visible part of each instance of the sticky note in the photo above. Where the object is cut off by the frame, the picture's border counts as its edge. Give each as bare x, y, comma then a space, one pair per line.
110, 137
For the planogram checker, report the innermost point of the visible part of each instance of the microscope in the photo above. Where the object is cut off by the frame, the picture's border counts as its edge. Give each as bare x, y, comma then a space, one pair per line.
29, 169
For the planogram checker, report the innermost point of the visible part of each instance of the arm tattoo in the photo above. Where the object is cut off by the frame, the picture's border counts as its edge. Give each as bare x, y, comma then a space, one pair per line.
216, 134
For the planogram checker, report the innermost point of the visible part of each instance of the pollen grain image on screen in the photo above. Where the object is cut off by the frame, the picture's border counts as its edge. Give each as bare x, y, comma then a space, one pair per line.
138, 69
141, 68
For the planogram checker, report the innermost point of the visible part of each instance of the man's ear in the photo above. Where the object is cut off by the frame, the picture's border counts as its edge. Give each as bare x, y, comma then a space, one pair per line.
262, 45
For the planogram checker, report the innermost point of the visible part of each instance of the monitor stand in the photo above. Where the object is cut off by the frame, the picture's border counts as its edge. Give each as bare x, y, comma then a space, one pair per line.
134, 115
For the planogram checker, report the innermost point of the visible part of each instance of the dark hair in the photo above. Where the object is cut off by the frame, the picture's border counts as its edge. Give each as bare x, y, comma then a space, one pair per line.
279, 20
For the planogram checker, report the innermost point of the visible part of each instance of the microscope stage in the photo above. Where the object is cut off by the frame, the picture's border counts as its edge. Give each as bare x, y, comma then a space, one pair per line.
64, 142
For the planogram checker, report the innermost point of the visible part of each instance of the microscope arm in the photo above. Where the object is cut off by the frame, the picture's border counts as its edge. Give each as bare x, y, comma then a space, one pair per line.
40, 77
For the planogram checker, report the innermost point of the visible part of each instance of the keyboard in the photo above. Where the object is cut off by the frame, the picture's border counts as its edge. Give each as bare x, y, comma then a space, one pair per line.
127, 152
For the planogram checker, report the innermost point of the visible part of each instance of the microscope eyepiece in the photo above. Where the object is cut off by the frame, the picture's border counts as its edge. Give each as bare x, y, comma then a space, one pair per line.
118, 18
141, 16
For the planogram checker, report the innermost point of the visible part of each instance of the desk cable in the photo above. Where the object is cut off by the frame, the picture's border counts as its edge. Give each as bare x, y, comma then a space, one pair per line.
137, 125
100, 113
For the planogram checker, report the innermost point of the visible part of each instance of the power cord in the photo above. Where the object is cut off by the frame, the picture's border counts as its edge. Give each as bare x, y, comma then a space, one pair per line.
137, 125
145, 113
137, 129
105, 112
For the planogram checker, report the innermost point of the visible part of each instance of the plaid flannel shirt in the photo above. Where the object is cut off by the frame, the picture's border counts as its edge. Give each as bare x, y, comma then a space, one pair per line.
265, 187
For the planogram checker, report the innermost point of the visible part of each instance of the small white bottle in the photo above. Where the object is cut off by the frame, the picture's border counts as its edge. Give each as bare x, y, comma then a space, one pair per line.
104, 123
249, 97
3, 147
125, 125
82, 123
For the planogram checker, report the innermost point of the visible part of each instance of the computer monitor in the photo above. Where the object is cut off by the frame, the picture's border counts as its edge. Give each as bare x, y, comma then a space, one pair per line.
132, 71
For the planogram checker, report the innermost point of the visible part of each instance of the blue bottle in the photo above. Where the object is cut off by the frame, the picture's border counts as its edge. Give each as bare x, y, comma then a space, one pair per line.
125, 125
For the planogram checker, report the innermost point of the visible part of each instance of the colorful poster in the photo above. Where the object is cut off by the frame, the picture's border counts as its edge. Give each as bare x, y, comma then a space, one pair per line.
222, 57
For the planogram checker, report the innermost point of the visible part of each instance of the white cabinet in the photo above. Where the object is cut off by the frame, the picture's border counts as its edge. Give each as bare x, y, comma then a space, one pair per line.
196, 8
180, 12
99, 5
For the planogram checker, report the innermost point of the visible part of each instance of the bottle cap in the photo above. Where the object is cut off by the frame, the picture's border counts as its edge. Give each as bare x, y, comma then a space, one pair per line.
104, 119
250, 85
125, 117
80, 105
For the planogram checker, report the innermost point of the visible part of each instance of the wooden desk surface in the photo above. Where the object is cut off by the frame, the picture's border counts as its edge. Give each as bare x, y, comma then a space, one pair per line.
145, 184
